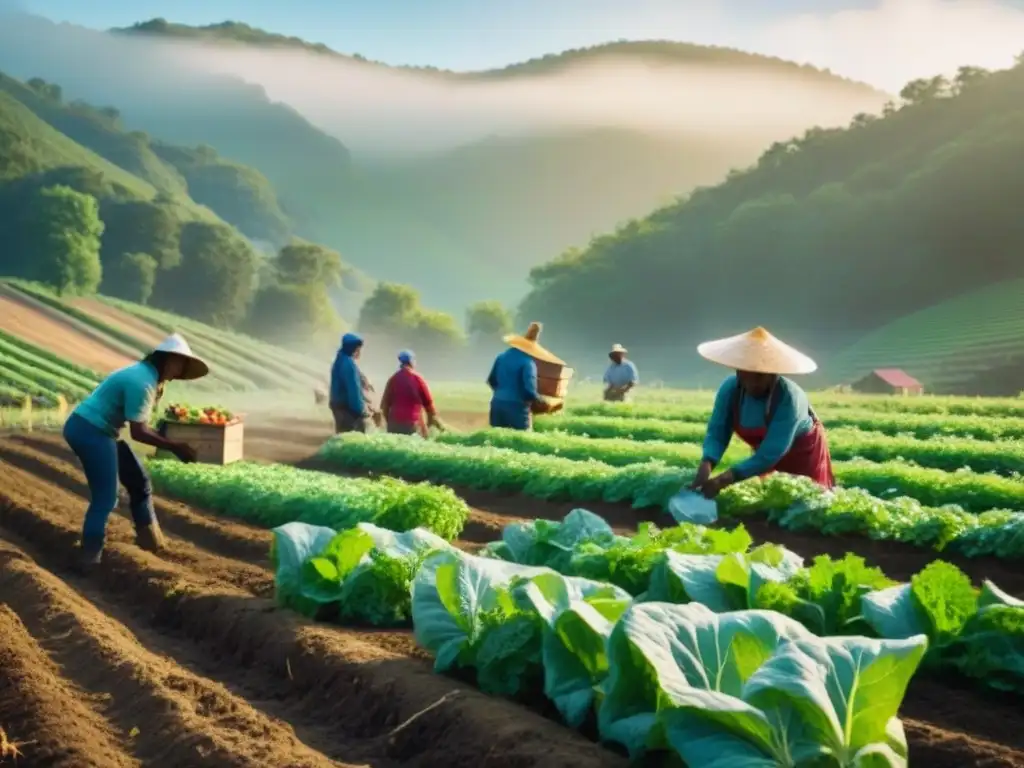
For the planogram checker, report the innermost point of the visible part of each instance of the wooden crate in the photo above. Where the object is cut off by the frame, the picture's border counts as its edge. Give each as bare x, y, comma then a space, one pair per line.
213, 444
553, 379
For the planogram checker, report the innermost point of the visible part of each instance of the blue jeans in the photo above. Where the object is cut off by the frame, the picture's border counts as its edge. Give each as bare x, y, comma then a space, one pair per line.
106, 460
508, 414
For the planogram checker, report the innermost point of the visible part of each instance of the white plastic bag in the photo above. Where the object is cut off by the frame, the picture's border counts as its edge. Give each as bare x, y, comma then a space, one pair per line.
690, 507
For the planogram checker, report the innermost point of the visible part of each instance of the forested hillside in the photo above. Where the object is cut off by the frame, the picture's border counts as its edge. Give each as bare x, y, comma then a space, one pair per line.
88, 206
827, 237
460, 223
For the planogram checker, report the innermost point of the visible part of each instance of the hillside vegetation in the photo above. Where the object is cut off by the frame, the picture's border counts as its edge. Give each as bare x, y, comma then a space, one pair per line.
973, 344
460, 224
86, 205
829, 236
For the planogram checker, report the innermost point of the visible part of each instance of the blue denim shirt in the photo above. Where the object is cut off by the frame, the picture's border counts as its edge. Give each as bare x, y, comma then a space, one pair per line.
792, 419
346, 383
513, 377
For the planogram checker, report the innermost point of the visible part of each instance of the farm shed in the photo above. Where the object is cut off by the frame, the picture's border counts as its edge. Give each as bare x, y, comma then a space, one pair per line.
888, 381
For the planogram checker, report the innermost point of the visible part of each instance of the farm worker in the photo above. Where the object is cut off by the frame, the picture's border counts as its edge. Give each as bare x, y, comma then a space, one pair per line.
620, 377
93, 433
350, 389
765, 410
406, 398
513, 379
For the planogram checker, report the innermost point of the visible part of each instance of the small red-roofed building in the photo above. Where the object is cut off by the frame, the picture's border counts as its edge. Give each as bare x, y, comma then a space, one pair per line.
888, 381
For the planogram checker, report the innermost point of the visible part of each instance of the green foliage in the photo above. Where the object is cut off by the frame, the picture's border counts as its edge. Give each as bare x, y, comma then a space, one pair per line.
488, 321
141, 226
868, 210
63, 236
214, 282
132, 277
285, 494
394, 312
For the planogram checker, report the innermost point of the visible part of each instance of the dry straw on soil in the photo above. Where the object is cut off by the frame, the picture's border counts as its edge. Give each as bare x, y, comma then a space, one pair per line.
9, 749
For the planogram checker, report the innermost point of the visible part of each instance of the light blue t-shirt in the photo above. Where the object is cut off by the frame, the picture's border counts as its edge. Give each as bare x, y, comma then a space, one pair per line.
128, 394
621, 374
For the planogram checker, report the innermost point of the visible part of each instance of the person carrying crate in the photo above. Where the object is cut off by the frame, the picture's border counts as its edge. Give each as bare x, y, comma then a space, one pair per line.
513, 380
92, 431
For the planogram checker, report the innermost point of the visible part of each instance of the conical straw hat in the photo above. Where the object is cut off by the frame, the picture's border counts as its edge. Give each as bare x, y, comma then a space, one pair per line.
175, 344
528, 343
757, 351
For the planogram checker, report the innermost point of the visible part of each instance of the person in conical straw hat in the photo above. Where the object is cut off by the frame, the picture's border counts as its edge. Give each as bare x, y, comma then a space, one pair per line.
93, 431
766, 410
513, 381
621, 376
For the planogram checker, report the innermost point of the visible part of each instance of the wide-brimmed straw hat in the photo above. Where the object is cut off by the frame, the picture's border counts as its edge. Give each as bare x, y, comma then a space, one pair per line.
757, 351
618, 348
528, 343
175, 344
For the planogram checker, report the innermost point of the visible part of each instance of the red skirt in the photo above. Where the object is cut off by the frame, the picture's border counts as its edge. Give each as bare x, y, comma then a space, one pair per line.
808, 456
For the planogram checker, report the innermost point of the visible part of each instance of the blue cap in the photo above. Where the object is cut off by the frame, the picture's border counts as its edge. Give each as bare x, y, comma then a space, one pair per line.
406, 357
350, 342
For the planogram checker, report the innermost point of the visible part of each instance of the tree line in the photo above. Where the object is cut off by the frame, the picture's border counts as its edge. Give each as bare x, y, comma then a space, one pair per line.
827, 237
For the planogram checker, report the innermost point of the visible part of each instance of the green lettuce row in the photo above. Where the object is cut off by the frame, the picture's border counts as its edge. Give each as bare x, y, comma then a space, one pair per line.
748, 687
51, 382
273, 494
361, 575
980, 634
998, 532
948, 453
8, 342
919, 425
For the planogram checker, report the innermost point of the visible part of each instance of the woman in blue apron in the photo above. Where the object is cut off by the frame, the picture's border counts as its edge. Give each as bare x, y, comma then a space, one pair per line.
93, 431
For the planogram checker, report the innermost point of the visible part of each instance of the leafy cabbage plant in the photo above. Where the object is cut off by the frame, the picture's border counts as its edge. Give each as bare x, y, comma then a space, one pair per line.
550, 543
991, 645
754, 688
721, 582
516, 626
364, 573
578, 616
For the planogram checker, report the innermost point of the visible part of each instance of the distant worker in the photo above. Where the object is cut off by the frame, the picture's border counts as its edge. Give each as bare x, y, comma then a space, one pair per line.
93, 431
765, 410
621, 376
513, 380
350, 389
407, 398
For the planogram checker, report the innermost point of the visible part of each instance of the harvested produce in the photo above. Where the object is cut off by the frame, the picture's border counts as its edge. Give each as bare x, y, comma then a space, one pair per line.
194, 414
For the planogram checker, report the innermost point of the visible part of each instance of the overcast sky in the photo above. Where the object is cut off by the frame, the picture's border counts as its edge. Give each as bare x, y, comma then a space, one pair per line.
884, 42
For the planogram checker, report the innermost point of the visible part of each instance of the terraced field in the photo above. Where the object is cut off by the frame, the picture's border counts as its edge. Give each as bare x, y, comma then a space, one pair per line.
187, 659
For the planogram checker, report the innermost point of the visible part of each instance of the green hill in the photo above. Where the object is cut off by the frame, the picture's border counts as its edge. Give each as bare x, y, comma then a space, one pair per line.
830, 235
460, 224
973, 344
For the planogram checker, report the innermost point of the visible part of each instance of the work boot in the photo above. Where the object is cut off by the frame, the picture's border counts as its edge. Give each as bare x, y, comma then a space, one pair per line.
88, 557
150, 537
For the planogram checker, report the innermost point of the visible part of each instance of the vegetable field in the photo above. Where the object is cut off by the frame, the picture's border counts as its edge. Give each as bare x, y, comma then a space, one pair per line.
383, 600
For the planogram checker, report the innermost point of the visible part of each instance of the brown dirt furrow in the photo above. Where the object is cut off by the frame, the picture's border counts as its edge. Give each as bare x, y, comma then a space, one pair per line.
43, 475
164, 713
364, 690
45, 719
225, 536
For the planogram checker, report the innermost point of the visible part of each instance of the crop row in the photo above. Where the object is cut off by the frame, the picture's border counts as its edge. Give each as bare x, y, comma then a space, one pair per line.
628, 660
948, 453
42, 358
275, 494
920, 425
930, 519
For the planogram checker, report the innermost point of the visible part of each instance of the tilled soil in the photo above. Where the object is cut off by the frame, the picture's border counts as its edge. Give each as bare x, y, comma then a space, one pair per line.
184, 660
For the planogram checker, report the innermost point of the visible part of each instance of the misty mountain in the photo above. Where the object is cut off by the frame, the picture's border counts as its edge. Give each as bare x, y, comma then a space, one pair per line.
456, 183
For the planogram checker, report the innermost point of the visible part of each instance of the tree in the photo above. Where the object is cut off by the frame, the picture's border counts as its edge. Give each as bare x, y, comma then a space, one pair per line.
284, 314
215, 280
488, 320
141, 226
63, 240
924, 89
391, 310
302, 263
967, 77
131, 277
